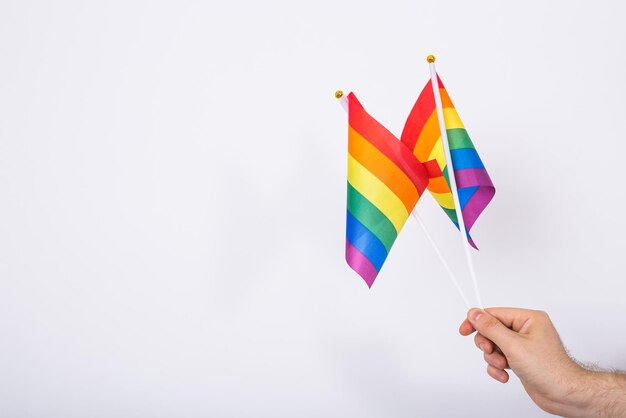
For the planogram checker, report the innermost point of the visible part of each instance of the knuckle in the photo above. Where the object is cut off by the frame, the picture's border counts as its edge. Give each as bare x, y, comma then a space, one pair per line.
542, 317
494, 360
483, 344
491, 323
500, 363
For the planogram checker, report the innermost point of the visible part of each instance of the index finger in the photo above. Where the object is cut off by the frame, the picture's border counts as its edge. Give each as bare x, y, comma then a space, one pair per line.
466, 328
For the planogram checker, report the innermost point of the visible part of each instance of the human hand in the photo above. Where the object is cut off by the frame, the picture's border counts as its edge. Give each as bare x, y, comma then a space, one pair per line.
527, 342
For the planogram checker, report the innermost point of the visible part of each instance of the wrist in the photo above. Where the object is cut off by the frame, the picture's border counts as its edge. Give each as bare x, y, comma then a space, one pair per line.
574, 398
596, 394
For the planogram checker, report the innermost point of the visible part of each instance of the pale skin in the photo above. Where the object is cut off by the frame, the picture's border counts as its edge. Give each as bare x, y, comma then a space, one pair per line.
526, 342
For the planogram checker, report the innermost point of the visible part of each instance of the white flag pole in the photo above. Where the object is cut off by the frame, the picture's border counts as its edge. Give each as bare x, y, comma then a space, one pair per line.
344, 103
440, 255
453, 188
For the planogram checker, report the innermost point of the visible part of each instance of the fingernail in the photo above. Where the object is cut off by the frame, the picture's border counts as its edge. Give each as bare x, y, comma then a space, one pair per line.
475, 314
482, 347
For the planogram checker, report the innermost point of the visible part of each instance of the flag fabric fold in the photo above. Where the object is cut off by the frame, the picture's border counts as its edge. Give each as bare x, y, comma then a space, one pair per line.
385, 181
422, 135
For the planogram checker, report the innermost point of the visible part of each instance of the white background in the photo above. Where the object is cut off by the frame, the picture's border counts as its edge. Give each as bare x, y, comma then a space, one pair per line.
172, 204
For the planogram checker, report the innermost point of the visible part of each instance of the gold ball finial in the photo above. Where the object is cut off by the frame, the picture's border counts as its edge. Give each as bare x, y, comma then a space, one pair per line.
430, 59
338, 94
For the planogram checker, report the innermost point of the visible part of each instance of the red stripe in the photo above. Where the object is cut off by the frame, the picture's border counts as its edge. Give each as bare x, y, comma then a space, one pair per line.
441, 86
423, 108
432, 168
387, 143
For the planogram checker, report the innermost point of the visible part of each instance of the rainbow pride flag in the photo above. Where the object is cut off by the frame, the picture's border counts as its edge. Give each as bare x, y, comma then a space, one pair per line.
385, 181
422, 135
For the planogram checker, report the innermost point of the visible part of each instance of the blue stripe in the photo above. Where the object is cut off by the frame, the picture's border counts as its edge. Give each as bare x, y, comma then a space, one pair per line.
465, 194
466, 158
366, 242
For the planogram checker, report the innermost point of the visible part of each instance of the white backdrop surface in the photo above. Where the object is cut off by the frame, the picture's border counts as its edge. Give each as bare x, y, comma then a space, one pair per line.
172, 204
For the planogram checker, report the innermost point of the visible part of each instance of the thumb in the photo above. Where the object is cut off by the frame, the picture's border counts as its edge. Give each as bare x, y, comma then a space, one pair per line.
489, 326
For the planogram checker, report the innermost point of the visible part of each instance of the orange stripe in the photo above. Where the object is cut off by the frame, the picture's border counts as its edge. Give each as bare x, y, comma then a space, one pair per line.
445, 99
383, 168
438, 185
428, 138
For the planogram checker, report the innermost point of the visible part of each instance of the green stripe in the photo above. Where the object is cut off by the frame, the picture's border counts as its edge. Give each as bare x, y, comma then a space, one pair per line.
458, 138
451, 214
371, 217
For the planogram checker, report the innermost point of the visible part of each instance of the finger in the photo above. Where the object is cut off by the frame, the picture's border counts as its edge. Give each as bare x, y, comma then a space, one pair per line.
496, 349
496, 360
484, 343
466, 328
489, 326
500, 375
515, 318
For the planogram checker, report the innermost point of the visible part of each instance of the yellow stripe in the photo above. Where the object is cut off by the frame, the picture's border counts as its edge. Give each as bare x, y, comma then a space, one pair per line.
451, 118
438, 154
444, 199
453, 121
377, 193
382, 167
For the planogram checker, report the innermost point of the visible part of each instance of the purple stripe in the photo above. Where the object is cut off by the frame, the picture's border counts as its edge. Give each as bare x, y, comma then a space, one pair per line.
477, 203
471, 177
360, 264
